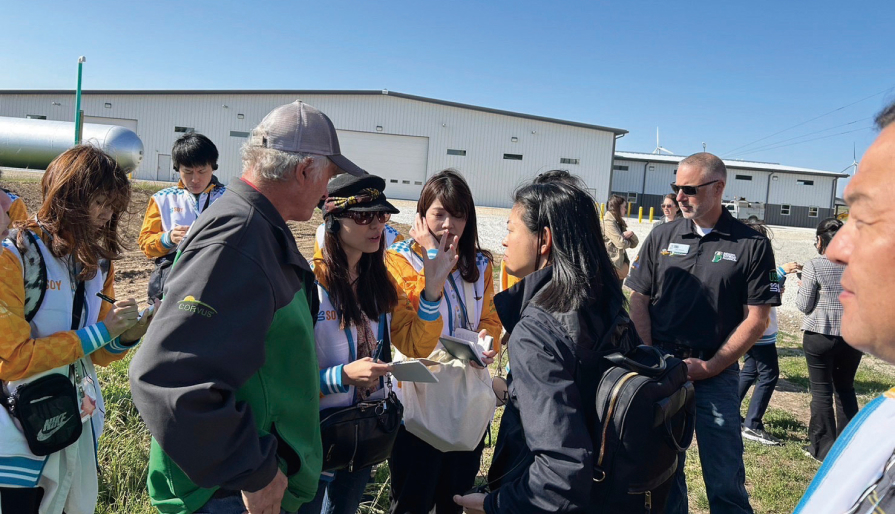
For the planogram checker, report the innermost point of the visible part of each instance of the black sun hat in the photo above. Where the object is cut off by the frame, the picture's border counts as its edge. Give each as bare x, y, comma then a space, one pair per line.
359, 194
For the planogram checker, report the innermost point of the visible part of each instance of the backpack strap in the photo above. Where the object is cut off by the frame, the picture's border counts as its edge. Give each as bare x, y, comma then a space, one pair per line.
34, 270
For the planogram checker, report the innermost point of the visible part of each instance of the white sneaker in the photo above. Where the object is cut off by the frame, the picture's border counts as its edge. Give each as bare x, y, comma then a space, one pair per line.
760, 436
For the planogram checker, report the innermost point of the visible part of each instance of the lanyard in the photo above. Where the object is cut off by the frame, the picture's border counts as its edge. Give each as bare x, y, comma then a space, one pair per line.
464, 313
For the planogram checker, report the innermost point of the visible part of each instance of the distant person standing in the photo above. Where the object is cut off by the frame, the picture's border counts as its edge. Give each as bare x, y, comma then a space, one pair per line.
832, 363
761, 365
671, 210
617, 236
172, 211
703, 291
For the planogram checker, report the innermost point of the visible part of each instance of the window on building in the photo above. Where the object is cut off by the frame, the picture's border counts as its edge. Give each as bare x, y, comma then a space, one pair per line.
184, 129
805, 182
461, 153
812, 212
393, 180
513, 156
744, 177
566, 160
675, 171
632, 197
785, 209
35, 116
619, 167
236, 133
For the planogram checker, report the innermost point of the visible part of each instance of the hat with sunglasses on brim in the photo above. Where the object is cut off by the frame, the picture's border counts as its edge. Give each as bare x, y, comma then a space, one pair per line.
358, 194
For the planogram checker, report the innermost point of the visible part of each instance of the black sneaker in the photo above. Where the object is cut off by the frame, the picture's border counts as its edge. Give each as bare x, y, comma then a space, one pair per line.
760, 436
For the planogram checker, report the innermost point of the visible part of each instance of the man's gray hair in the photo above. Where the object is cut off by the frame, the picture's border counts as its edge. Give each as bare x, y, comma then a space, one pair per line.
885, 117
273, 165
709, 163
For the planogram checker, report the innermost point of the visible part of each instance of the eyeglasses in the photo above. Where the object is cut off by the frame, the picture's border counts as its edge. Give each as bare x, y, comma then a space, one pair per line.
669, 206
365, 218
690, 190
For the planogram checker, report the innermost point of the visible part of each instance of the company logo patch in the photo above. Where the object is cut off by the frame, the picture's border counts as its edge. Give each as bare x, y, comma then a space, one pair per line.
718, 256
176, 209
636, 263
775, 287
191, 305
774, 277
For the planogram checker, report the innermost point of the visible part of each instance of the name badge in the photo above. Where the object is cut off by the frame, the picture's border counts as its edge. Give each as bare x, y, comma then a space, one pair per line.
678, 249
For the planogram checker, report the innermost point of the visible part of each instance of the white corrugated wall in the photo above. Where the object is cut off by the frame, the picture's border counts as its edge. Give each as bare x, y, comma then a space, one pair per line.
485, 137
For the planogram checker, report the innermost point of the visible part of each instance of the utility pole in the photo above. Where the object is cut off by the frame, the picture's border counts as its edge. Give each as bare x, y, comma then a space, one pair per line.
79, 115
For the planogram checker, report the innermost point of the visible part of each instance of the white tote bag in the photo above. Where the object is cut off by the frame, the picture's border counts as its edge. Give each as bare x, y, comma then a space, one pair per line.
453, 414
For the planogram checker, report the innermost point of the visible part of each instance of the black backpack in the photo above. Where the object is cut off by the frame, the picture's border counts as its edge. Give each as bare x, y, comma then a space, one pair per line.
645, 409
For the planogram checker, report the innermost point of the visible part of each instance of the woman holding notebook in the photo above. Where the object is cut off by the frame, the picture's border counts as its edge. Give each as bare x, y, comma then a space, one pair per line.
362, 312
422, 476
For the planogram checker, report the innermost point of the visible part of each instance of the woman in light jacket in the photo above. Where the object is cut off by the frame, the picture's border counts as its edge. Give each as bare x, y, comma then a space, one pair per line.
617, 236
359, 300
423, 477
832, 363
76, 236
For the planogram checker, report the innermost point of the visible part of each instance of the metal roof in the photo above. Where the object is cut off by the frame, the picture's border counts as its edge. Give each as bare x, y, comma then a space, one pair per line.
616, 131
730, 163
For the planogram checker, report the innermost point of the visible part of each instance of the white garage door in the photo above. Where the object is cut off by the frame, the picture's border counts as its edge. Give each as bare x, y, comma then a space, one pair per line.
120, 122
400, 160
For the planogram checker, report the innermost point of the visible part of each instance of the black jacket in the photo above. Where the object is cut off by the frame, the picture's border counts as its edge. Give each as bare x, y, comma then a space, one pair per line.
543, 460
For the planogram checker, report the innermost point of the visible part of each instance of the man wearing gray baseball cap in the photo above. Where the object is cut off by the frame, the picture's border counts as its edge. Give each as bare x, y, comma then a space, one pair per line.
228, 381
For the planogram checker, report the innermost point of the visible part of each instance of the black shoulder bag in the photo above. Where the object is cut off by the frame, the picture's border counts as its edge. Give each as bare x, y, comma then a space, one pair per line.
363, 434
47, 408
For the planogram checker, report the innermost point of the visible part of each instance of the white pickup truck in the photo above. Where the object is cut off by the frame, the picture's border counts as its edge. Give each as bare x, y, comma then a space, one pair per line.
744, 210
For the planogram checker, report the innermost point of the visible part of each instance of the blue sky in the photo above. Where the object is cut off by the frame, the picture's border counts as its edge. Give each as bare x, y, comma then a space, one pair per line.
723, 73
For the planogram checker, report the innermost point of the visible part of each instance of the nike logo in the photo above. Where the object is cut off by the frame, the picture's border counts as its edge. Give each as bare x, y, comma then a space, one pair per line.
51, 426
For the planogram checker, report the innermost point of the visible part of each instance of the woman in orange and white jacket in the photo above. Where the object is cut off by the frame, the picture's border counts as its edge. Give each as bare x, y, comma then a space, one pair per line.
73, 240
359, 301
423, 476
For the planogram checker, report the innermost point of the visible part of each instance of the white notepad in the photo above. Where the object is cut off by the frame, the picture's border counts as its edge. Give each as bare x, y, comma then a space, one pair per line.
414, 371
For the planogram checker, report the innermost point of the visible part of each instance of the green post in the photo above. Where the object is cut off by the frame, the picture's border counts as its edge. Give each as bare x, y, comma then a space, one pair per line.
81, 61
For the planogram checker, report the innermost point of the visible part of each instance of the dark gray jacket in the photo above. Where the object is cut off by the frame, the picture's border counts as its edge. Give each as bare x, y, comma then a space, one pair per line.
543, 460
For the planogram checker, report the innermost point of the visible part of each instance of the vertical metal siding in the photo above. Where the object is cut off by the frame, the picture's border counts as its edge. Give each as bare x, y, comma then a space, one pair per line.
752, 190
484, 136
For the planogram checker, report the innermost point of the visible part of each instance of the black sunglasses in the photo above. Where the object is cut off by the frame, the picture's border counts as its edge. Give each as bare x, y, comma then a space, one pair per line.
690, 190
365, 218
667, 206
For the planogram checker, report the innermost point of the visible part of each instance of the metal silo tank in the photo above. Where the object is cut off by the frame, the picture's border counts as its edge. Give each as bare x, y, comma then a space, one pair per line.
26, 143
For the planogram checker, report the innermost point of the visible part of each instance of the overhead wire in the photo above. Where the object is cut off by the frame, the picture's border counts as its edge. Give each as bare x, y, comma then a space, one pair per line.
807, 140
812, 119
799, 137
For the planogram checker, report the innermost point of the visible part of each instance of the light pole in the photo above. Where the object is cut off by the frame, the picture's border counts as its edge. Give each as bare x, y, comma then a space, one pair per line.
78, 113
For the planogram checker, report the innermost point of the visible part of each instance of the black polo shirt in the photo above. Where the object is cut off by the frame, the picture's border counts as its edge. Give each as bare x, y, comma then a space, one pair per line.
698, 285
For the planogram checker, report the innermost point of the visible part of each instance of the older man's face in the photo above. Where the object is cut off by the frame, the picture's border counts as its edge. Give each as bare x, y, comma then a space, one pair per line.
866, 244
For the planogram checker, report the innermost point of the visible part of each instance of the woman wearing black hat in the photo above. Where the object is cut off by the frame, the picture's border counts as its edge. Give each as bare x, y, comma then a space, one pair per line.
359, 300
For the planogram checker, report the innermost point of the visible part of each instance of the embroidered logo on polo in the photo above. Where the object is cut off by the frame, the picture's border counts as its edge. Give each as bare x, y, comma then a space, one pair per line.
724, 256
192, 305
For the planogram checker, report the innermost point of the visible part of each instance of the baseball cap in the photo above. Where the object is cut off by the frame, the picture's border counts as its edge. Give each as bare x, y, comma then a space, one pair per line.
301, 128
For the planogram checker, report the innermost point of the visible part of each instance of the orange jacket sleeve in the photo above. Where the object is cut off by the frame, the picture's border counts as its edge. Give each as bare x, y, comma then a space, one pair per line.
489, 320
415, 330
412, 283
153, 240
18, 211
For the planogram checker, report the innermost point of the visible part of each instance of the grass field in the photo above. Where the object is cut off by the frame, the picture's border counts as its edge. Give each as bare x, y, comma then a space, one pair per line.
776, 476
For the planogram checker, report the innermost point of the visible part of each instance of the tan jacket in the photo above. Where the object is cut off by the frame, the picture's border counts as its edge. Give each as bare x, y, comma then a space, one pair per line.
616, 244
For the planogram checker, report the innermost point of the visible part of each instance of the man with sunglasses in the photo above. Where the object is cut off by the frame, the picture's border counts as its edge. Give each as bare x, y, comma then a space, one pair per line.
703, 290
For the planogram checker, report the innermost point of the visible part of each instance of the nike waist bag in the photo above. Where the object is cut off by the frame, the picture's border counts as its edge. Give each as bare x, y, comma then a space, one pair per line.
48, 410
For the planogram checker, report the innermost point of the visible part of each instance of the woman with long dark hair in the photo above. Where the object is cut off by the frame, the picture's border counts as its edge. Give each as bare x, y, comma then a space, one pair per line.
832, 363
359, 301
423, 477
556, 319
54, 324
616, 235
